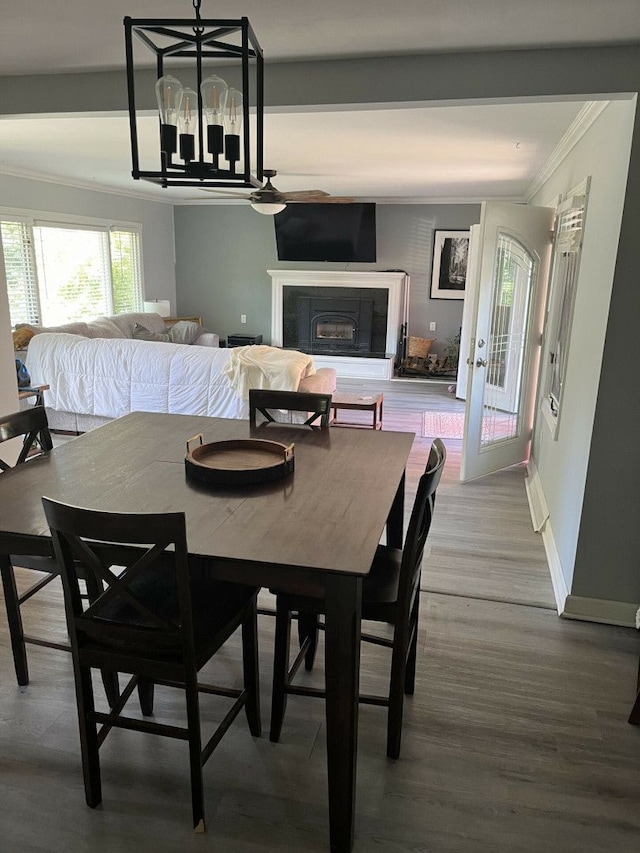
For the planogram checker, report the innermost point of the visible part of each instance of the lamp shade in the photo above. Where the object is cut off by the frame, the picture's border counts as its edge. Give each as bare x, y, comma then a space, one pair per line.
158, 306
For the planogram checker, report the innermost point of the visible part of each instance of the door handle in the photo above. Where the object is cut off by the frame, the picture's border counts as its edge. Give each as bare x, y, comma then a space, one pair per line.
481, 362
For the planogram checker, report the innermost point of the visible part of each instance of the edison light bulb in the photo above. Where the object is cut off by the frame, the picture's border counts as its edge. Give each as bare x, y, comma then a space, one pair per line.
187, 124
213, 91
169, 95
233, 127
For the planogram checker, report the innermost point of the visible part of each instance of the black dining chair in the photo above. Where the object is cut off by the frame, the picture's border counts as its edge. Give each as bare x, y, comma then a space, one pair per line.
390, 594
160, 618
265, 401
32, 427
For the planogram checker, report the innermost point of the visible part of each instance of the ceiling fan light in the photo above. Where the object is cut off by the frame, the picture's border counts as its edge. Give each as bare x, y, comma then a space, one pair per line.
267, 208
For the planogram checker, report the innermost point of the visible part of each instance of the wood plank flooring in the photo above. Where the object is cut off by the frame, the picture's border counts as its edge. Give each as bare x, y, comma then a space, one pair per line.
482, 542
516, 740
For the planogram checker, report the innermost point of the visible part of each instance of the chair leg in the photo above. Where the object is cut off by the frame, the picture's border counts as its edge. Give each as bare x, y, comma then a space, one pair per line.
145, 696
250, 667
634, 717
88, 735
15, 621
396, 695
195, 753
308, 627
410, 674
280, 669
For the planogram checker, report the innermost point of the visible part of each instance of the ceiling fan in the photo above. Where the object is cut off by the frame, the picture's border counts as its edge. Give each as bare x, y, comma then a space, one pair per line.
269, 200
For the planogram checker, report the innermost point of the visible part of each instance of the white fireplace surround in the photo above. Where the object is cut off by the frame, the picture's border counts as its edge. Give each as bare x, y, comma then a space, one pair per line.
397, 285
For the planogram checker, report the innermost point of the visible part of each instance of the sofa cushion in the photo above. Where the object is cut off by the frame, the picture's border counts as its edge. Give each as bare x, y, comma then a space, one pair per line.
104, 327
140, 333
78, 328
207, 339
185, 332
128, 319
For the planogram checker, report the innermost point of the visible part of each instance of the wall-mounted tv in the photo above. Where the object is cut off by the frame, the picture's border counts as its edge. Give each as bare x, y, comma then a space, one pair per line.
327, 232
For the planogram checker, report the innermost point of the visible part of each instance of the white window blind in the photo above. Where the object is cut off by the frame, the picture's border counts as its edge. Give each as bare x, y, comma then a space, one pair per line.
564, 282
62, 273
20, 267
73, 271
126, 271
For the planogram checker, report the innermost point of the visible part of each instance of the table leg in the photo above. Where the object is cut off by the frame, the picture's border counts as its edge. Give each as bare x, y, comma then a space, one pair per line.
395, 520
343, 601
15, 621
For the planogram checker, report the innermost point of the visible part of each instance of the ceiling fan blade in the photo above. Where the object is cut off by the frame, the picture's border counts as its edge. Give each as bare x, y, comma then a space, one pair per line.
305, 194
227, 194
329, 199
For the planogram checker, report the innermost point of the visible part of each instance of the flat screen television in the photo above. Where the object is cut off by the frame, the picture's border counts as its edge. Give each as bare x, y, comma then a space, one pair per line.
327, 232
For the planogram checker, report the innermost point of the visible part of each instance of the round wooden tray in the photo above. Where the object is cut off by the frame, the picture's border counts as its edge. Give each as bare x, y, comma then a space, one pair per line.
239, 461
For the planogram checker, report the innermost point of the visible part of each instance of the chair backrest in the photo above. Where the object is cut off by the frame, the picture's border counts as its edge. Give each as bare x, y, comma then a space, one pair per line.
420, 524
263, 400
145, 605
32, 425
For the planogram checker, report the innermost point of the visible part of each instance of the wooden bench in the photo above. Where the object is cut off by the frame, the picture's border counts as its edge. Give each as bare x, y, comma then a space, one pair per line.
361, 403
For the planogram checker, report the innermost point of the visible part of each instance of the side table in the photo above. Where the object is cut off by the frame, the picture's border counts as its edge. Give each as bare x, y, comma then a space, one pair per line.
37, 391
361, 403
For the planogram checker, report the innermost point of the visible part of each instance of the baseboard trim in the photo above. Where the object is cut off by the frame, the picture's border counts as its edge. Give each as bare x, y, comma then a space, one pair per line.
570, 606
600, 610
535, 495
540, 519
560, 588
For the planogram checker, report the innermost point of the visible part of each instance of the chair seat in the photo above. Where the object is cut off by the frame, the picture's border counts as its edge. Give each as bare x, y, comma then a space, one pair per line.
379, 587
214, 605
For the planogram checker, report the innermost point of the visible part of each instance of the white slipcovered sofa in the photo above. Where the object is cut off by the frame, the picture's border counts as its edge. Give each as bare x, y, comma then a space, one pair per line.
146, 326
93, 380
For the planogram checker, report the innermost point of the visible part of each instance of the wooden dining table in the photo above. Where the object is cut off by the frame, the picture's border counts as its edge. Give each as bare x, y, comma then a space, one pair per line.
313, 532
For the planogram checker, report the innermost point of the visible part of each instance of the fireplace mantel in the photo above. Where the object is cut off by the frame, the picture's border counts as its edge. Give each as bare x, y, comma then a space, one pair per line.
396, 283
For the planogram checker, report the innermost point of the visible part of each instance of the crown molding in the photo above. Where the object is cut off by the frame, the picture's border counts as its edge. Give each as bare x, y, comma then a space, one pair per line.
580, 125
45, 178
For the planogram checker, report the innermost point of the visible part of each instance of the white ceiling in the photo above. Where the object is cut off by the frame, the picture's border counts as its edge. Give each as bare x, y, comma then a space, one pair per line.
449, 153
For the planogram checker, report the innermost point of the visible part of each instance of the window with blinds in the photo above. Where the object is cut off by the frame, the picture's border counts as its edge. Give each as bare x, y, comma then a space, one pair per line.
20, 268
59, 273
564, 281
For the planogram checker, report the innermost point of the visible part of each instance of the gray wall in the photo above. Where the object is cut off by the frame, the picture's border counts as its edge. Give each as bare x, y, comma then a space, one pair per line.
223, 254
562, 460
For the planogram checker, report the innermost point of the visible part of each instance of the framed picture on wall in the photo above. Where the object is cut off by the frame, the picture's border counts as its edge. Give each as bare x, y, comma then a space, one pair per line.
450, 258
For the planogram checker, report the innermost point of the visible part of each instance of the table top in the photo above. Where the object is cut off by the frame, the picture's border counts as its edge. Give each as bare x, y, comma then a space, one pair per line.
328, 516
356, 401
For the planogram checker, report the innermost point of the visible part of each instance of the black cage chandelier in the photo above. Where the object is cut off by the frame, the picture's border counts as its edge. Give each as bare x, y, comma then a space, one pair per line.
206, 128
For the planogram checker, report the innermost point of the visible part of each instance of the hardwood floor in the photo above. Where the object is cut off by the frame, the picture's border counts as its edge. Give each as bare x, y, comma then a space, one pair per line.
482, 543
516, 740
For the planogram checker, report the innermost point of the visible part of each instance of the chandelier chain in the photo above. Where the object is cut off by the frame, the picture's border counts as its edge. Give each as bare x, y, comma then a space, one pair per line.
196, 6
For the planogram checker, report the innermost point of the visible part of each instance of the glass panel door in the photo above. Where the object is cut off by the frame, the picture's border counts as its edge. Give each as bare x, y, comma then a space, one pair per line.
514, 274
